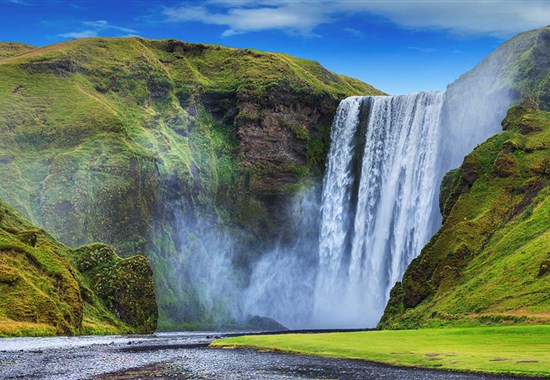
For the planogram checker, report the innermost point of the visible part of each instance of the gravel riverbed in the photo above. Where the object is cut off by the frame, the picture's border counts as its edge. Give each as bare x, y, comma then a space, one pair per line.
182, 356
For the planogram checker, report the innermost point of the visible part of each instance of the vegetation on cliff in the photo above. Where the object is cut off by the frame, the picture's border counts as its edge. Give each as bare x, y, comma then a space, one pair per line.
489, 261
145, 145
518, 68
47, 288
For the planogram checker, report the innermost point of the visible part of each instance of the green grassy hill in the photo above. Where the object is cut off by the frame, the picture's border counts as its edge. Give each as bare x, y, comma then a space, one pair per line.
11, 49
519, 67
47, 288
489, 262
145, 145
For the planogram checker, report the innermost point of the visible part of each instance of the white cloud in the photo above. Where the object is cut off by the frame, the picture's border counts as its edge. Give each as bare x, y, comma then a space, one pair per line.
19, 2
483, 17
467, 17
291, 17
81, 34
355, 33
102, 25
94, 28
423, 49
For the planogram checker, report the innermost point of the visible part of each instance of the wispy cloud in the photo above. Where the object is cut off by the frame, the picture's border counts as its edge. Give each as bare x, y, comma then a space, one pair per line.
95, 28
102, 25
19, 2
291, 17
81, 34
355, 33
467, 17
422, 49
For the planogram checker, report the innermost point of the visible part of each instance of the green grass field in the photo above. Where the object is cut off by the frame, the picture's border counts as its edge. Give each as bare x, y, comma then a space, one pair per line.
523, 350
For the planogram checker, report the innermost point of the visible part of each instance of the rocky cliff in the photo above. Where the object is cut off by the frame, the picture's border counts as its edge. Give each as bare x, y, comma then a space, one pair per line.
149, 145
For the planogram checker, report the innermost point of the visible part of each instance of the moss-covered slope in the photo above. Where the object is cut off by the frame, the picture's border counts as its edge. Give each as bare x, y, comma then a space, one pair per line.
145, 145
43, 293
11, 49
518, 68
489, 261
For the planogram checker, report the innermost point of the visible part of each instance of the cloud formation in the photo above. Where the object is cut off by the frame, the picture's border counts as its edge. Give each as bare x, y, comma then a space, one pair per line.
484, 17
81, 34
355, 33
94, 29
464, 17
18, 2
252, 16
102, 25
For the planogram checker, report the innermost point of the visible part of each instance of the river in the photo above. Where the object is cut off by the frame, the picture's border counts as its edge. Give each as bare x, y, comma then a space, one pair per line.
182, 355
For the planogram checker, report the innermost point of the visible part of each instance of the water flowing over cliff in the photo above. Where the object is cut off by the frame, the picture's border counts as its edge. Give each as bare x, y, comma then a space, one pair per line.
378, 199
378, 209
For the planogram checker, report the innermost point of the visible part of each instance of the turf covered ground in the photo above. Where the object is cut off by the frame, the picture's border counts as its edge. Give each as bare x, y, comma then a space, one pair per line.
521, 350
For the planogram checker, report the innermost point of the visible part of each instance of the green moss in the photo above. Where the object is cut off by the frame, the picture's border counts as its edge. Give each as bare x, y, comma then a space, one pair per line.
449, 191
125, 286
42, 293
482, 266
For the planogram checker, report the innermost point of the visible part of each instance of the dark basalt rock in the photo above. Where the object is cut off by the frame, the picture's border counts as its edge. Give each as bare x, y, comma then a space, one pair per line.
265, 323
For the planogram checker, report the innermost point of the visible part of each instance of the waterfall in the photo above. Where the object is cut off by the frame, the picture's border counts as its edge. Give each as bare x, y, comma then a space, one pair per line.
378, 201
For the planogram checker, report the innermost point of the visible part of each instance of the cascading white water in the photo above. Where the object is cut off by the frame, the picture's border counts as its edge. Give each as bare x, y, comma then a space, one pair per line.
337, 192
378, 207
378, 199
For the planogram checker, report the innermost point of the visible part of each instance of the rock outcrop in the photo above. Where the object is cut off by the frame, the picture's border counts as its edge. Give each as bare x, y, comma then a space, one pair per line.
47, 288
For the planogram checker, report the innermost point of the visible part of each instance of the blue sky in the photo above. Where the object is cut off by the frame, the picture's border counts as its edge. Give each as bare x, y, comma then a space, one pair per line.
399, 46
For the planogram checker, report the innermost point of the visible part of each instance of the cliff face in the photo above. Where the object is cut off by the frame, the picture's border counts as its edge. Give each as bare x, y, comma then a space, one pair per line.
145, 145
476, 103
488, 262
47, 288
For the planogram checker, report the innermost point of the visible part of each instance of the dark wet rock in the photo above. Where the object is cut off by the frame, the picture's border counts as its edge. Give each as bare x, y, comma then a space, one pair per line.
265, 323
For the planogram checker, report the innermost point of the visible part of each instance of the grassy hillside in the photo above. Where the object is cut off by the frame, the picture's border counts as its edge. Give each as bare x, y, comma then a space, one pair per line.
11, 49
489, 262
145, 145
518, 68
47, 288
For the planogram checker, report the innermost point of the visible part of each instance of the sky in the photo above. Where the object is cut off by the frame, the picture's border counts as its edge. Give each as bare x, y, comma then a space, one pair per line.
398, 46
